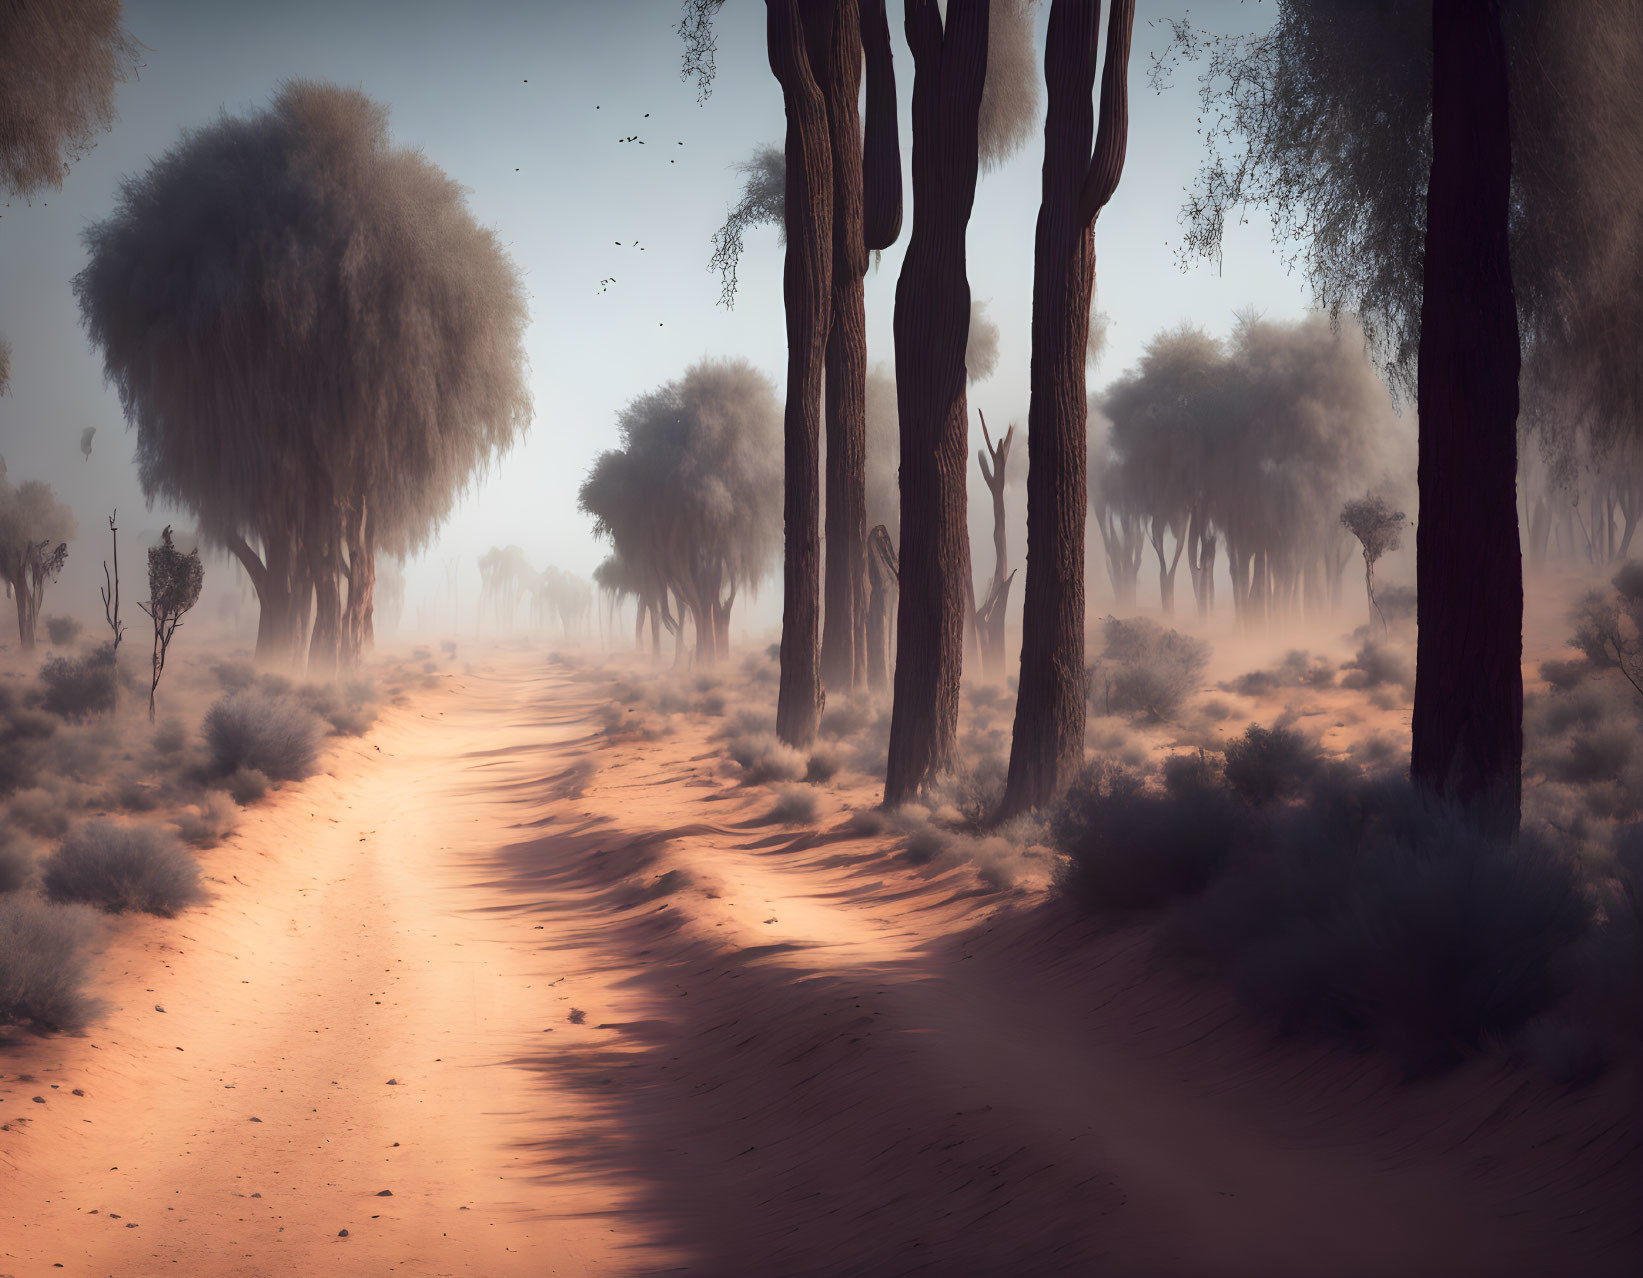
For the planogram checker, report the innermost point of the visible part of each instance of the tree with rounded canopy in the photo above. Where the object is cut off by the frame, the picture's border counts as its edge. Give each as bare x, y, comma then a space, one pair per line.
35, 529
691, 500
1379, 529
59, 65
174, 582
318, 345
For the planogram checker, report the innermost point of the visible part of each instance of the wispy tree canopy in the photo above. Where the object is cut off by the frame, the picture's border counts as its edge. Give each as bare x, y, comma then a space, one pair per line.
60, 61
1324, 121
317, 344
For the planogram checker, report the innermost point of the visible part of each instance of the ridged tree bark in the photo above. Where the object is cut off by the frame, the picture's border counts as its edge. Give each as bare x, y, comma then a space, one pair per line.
932, 328
800, 34
866, 216
844, 615
1047, 746
1468, 717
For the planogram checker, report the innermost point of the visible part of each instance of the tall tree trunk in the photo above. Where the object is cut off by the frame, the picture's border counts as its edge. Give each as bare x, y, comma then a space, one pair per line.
882, 568
279, 626
1468, 717
993, 460
932, 326
325, 570
358, 631
25, 616
844, 617
800, 37
1047, 747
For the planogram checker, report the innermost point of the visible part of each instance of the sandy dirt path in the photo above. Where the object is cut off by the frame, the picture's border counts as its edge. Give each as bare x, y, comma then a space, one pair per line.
619, 1022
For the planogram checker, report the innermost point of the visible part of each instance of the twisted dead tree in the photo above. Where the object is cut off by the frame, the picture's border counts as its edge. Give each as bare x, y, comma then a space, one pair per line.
1047, 745
990, 616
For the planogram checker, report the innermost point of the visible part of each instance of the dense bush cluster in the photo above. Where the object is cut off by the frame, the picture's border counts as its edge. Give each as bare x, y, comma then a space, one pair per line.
122, 867
74, 687
1144, 670
43, 962
1358, 907
256, 731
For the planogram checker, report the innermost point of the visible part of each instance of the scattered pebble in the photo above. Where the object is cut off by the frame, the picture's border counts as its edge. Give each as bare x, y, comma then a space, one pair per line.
158, 1008
342, 1233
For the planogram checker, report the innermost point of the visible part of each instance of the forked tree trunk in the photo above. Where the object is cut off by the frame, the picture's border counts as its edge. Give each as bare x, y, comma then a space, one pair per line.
280, 623
932, 326
1468, 717
800, 38
994, 460
1047, 748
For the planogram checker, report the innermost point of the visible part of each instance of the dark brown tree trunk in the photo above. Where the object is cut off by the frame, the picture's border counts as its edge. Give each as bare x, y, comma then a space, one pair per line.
279, 625
800, 39
25, 617
1047, 748
932, 326
881, 576
358, 632
325, 570
844, 618
993, 461
1468, 717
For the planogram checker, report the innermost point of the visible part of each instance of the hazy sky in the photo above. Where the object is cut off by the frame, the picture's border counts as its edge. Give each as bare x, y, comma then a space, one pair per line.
524, 103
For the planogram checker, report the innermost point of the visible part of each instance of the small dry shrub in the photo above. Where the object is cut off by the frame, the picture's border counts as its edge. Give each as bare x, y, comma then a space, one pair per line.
170, 738
276, 736
1270, 763
1298, 669
763, 758
349, 708
1145, 671
43, 963
23, 733
43, 812
74, 687
1129, 846
122, 867
235, 676
16, 863
1377, 666
824, 764
247, 786
212, 820
62, 631
795, 805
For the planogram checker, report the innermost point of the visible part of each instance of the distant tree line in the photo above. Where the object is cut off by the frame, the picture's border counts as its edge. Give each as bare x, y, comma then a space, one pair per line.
1248, 447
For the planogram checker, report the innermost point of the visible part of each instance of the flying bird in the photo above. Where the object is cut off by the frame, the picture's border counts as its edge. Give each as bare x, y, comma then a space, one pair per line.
85, 440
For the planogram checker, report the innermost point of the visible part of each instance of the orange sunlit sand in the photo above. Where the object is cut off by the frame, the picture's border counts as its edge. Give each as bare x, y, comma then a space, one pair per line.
510, 990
